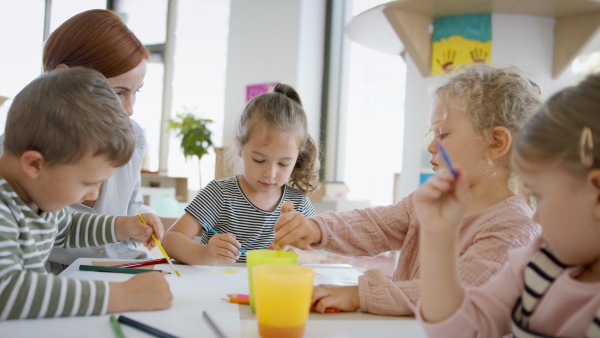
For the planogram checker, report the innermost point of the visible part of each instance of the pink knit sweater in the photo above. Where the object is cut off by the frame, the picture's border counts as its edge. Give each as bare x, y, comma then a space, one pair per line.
485, 239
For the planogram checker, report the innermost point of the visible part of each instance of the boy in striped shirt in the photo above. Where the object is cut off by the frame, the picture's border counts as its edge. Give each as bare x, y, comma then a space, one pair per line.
66, 132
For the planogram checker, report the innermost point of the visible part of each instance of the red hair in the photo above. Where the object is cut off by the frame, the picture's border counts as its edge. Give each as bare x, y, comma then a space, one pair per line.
96, 39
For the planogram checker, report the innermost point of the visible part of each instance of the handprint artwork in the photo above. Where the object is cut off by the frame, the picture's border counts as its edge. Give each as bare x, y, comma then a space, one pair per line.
459, 41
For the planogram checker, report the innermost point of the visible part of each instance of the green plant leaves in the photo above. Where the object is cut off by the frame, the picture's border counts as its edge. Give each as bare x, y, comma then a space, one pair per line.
194, 134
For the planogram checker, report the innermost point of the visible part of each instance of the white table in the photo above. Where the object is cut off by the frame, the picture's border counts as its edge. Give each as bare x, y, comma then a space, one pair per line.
200, 288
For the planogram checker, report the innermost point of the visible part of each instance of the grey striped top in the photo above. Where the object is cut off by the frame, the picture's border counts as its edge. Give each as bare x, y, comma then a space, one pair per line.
223, 206
26, 238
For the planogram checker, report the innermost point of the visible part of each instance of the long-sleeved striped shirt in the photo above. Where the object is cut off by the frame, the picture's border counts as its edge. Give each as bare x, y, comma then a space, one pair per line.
26, 238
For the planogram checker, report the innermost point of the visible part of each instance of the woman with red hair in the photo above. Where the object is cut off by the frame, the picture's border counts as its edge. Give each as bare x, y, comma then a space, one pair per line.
99, 39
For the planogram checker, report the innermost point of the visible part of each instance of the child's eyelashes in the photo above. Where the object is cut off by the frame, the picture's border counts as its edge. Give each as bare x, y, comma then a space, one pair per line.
442, 136
285, 165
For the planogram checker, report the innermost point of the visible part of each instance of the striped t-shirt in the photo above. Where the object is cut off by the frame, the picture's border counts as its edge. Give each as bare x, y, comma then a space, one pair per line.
26, 238
223, 205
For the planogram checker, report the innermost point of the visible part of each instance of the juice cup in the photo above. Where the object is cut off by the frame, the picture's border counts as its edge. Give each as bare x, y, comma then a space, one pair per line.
258, 257
283, 295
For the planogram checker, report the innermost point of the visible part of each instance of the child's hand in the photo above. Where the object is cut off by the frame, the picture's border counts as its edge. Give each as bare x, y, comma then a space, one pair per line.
132, 227
292, 228
443, 199
143, 292
221, 248
345, 298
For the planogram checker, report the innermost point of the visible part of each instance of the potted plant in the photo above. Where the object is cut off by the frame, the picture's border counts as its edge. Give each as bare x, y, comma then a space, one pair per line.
194, 135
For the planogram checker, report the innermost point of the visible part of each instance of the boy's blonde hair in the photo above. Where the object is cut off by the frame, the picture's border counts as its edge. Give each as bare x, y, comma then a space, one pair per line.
65, 114
566, 129
282, 109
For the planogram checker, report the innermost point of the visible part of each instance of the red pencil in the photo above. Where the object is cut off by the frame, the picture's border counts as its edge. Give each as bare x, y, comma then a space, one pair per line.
136, 264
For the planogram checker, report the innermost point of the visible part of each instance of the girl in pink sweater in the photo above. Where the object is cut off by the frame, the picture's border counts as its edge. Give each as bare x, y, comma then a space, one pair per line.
477, 115
551, 288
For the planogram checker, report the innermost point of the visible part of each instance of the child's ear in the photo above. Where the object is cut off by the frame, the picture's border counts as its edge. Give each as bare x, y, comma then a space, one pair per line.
594, 180
501, 142
31, 163
62, 66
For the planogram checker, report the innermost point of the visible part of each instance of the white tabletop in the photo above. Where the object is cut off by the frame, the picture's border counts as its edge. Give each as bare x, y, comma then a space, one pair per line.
201, 288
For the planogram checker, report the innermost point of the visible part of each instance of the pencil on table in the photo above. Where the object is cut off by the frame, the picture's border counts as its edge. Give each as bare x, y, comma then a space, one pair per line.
116, 270
244, 301
116, 327
144, 263
144, 327
158, 244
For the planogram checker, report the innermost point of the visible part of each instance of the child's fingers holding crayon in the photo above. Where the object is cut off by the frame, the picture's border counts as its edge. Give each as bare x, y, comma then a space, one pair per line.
328, 298
292, 228
137, 228
223, 248
443, 199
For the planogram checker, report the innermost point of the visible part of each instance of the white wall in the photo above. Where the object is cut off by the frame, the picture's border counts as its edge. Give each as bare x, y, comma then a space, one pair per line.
274, 41
521, 40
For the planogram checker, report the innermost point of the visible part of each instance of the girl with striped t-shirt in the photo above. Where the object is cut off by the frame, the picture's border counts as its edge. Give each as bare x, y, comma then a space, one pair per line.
551, 288
279, 163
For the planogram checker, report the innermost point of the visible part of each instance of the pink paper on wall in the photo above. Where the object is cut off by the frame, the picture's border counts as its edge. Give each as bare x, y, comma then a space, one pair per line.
257, 89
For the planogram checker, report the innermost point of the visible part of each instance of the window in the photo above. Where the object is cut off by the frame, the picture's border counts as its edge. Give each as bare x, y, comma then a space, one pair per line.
198, 86
374, 119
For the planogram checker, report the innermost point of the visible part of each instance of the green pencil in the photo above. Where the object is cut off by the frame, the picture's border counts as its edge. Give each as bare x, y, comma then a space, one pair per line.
113, 269
116, 327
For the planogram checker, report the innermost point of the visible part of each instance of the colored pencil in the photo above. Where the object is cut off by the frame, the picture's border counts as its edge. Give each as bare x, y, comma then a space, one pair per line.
116, 327
115, 270
158, 244
446, 158
144, 263
214, 325
216, 233
144, 327
244, 301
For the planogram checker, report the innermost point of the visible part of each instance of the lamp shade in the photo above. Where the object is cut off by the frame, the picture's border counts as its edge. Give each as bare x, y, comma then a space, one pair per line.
373, 30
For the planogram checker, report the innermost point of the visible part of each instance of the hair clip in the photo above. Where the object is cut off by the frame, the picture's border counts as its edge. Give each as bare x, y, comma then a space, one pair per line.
586, 147
280, 89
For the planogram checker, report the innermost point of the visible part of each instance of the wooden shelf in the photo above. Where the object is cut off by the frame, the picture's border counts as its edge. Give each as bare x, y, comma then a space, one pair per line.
156, 180
577, 24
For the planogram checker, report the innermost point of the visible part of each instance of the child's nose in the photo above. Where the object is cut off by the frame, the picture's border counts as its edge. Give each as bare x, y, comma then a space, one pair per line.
93, 194
269, 172
432, 148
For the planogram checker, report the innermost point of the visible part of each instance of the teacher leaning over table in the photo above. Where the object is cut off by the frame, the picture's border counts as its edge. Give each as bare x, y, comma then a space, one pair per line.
99, 39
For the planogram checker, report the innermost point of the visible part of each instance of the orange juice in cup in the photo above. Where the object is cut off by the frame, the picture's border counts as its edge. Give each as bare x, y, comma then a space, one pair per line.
283, 296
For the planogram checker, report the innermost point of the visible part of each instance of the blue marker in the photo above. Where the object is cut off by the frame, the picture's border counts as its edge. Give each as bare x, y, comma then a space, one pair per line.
447, 159
216, 233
